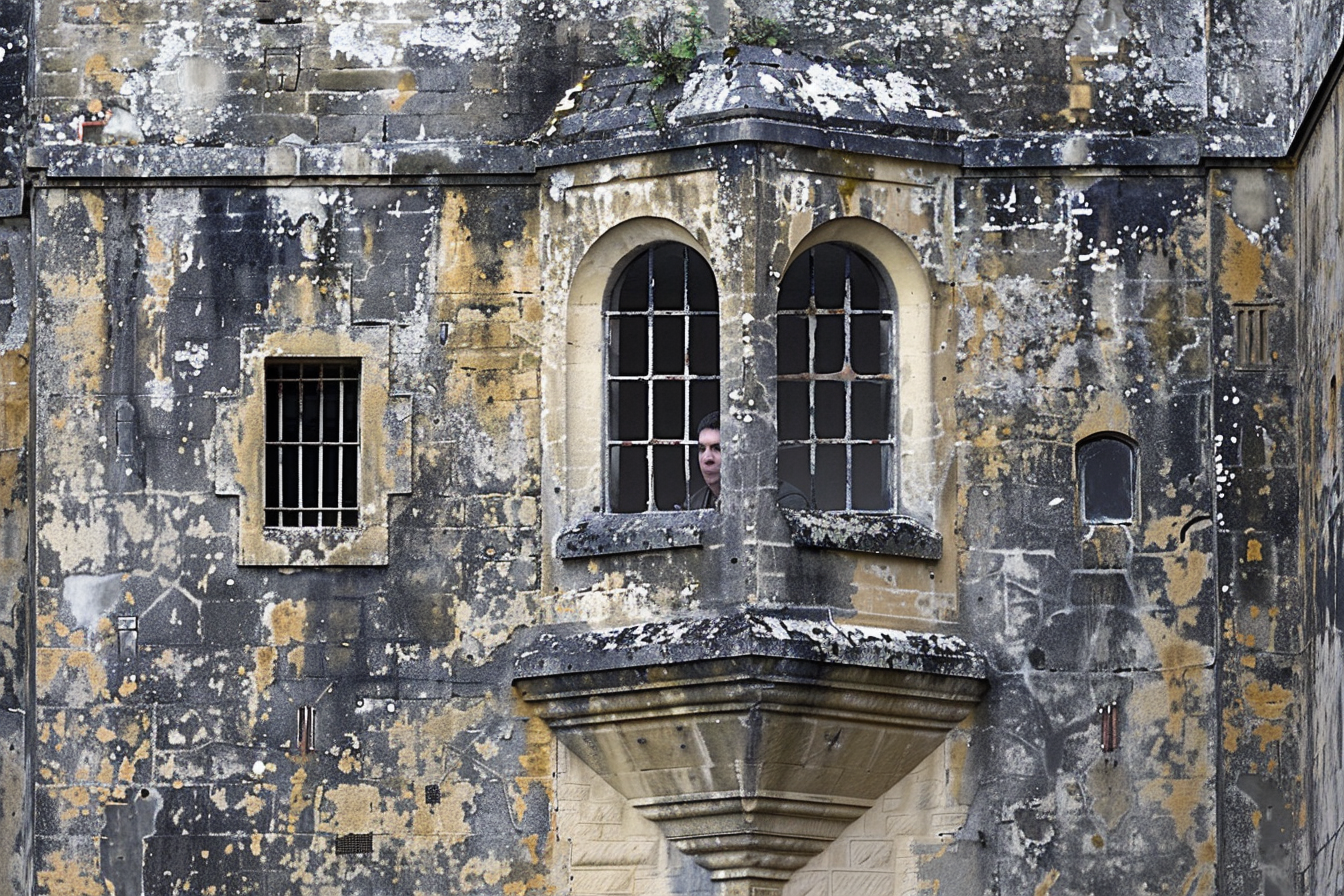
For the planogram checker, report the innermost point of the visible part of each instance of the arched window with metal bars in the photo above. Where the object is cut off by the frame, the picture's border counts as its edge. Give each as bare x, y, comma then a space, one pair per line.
662, 367
835, 347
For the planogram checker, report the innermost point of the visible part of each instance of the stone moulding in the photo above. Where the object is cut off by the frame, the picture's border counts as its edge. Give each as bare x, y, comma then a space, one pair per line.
867, 532
624, 533
752, 740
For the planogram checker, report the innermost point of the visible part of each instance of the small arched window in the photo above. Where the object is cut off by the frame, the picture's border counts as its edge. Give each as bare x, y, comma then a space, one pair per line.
1107, 474
662, 337
835, 351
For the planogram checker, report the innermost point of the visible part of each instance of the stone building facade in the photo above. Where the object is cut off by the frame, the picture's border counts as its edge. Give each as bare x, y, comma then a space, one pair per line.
351, 359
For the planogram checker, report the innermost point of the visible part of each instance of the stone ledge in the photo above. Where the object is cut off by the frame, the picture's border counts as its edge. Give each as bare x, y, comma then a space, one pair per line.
869, 533
810, 636
412, 158
627, 533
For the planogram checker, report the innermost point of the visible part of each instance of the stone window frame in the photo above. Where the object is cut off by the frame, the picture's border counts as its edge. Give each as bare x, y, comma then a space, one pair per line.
384, 458
693, 386
907, 529
1132, 446
591, 530
849, 378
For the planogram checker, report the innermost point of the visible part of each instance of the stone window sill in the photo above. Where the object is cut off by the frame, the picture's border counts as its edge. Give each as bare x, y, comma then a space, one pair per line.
626, 533
865, 532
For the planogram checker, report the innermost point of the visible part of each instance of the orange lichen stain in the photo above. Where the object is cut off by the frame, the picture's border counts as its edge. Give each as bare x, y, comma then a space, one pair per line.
1186, 575
295, 657
100, 70
1243, 267
255, 845
1268, 701
1253, 551
74, 877
105, 734
535, 883
1046, 883
536, 759
84, 359
1200, 880
1181, 798
264, 668
286, 621
49, 662
1255, 612
995, 465
127, 688
297, 801
1268, 733
93, 670
406, 88
1248, 661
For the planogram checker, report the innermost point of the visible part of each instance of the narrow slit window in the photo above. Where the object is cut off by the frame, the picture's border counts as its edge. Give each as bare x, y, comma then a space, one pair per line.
835, 352
312, 444
1106, 477
662, 333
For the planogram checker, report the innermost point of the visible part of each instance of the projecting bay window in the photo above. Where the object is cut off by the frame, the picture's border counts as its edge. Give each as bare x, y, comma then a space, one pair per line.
312, 443
662, 363
835, 380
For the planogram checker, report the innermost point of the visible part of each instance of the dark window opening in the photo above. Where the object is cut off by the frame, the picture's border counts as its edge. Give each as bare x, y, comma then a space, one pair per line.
834, 346
1252, 325
662, 323
312, 443
1106, 476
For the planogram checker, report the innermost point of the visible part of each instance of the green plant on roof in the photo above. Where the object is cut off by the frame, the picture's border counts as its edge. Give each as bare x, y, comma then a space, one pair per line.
760, 31
666, 44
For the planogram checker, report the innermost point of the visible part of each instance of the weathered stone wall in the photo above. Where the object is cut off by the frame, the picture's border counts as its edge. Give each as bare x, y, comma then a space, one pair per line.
1083, 308
16, 695
1261, 660
256, 72
166, 755
1318, 195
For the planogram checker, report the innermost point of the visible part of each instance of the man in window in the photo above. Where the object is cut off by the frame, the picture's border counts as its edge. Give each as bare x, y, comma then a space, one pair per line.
711, 462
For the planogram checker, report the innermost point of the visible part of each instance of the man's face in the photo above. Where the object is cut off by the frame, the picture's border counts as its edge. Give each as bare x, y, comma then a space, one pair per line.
711, 457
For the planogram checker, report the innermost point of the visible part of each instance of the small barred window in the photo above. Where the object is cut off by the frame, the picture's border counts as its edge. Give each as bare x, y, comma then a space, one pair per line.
312, 443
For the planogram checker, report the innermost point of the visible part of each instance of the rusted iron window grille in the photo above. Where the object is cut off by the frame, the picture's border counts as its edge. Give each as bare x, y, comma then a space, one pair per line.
1109, 714
1252, 323
306, 722
1106, 477
312, 443
835, 349
662, 332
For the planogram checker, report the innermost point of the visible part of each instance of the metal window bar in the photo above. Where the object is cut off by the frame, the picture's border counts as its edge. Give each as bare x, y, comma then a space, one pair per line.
312, 443
1252, 323
650, 377
846, 375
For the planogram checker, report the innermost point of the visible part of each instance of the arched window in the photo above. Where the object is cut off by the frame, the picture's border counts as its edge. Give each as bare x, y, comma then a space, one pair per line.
835, 351
1107, 473
662, 336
